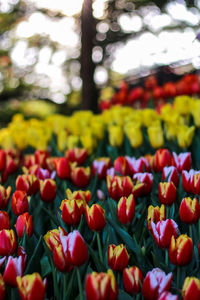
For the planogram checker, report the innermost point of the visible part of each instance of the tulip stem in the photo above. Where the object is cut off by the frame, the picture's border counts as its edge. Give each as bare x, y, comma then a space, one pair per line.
99, 247
190, 230
166, 258
178, 277
79, 284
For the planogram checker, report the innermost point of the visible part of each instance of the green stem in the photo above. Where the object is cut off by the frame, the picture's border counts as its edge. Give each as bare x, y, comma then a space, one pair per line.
64, 286
79, 284
166, 258
199, 229
190, 230
99, 247
178, 277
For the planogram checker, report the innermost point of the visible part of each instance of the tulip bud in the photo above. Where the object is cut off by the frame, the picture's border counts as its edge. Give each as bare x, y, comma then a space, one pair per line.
28, 160
63, 168
126, 209
101, 286
172, 174
23, 184
2, 160
52, 237
167, 193
155, 214
119, 186
168, 296
19, 202
77, 248
24, 222
139, 165
147, 180
72, 211
80, 176
155, 134
61, 259
79, 195
95, 217
100, 166
187, 180
181, 250
191, 288
155, 283
13, 268
40, 157
2, 288
132, 279
121, 166
47, 190
21, 252
31, 287
163, 231
4, 196
117, 257
8, 242
182, 161
162, 158
76, 155
196, 183
189, 210
4, 220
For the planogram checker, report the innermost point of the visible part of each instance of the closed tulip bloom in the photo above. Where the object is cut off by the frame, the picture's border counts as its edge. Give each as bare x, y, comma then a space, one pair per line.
168, 296
183, 161
52, 237
126, 209
47, 190
101, 286
155, 214
4, 196
181, 250
140, 165
95, 217
4, 220
167, 193
78, 155
24, 222
189, 210
77, 248
155, 134
191, 289
13, 268
132, 279
121, 166
79, 195
81, 176
172, 174
119, 186
19, 202
40, 157
63, 168
23, 184
31, 287
2, 288
163, 231
117, 257
72, 211
61, 259
155, 283
116, 136
2, 160
195, 185
187, 180
100, 166
162, 158
147, 179
8, 243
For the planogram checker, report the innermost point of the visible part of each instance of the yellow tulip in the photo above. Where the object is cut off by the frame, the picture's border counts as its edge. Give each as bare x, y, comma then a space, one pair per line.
134, 134
185, 135
156, 138
116, 135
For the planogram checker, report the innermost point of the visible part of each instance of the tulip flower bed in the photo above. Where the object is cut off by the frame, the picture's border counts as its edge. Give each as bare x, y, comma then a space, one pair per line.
106, 208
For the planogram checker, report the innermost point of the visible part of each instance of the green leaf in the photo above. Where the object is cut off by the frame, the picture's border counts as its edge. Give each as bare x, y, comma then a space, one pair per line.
34, 258
99, 265
45, 266
123, 234
124, 296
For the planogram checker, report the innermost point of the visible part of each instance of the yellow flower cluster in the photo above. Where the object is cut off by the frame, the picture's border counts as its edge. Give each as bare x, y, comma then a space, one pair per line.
85, 129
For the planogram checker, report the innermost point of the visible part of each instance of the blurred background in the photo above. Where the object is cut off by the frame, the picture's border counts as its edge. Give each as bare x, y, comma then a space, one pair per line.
73, 53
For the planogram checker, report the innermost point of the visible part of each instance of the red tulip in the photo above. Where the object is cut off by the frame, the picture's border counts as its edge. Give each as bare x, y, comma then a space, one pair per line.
121, 166
139, 165
183, 161
168, 296
191, 288
8, 243
40, 157
181, 250
196, 183
167, 193
132, 279
13, 268
2, 160
77, 248
52, 237
47, 190
2, 288
119, 186
19, 202
187, 180
79, 195
95, 217
4, 220
155, 214
4, 196
72, 210
63, 168
155, 283
147, 179
117, 257
80, 176
126, 209
31, 287
101, 286
24, 222
189, 210
27, 183
100, 166
28, 160
76, 155
162, 158
163, 231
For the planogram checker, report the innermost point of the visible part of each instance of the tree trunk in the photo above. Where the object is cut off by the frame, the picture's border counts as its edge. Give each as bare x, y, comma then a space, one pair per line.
88, 28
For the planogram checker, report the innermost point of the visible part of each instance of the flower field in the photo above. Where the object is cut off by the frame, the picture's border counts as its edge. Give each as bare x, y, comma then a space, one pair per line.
102, 206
